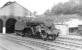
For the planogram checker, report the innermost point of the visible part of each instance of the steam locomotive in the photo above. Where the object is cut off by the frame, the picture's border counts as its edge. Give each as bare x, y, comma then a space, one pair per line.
39, 30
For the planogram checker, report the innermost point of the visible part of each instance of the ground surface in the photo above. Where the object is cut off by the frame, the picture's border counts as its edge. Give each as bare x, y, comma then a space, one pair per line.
14, 42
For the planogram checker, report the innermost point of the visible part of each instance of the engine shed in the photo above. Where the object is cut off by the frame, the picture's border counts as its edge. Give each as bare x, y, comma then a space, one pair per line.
10, 13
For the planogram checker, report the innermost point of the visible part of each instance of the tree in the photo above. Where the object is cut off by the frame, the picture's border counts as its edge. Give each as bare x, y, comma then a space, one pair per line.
66, 8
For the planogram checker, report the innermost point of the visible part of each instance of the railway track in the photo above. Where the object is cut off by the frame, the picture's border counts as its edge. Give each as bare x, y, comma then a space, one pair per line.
3, 48
44, 45
16, 41
67, 42
25, 43
70, 39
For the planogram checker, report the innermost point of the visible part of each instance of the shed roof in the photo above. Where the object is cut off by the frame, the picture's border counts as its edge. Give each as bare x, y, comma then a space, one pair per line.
15, 9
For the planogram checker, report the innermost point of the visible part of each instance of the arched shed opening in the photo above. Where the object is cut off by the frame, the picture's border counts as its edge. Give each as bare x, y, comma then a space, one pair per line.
1, 25
10, 25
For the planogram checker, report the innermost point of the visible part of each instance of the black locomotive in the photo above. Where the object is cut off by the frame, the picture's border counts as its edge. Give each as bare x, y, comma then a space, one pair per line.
39, 30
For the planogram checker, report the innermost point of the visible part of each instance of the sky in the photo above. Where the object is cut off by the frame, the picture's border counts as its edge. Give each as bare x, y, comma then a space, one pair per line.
40, 6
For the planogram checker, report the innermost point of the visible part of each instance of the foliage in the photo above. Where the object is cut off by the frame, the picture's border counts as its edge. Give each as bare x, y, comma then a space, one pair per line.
64, 11
66, 8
